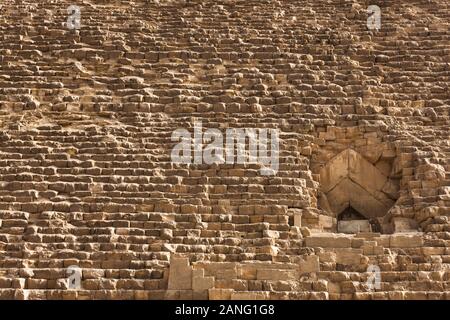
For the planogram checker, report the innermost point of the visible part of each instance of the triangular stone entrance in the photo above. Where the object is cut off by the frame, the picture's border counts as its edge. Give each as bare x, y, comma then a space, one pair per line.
350, 180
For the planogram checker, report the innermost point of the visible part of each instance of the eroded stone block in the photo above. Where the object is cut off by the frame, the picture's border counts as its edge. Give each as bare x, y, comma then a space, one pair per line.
406, 240
180, 274
353, 226
329, 241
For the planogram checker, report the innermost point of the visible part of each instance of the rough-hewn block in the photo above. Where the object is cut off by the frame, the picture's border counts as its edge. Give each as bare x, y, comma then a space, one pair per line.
180, 274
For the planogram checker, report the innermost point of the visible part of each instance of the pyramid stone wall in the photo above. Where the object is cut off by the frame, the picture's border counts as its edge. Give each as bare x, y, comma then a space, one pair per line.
86, 175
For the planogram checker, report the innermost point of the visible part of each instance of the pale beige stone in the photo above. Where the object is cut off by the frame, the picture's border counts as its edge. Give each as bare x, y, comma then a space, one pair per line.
273, 274
220, 294
309, 264
353, 226
348, 256
334, 171
200, 282
329, 241
249, 295
298, 219
180, 274
404, 224
406, 240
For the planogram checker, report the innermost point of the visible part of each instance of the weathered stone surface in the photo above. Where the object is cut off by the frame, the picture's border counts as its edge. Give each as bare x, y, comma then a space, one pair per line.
353, 226
180, 274
271, 274
329, 241
406, 240
404, 224
348, 256
220, 294
200, 282
309, 264
87, 123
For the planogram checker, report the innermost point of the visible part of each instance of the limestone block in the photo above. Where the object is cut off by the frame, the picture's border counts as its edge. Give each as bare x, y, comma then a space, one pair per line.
271, 250
226, 273
19, 283
396, 295
180, 274
363, 201
429, 251
362, 295
247, 272
379, 296
328, 135
310, 264
327, 257
142, 295
353, 226
378, 250
415, 295
5, 283
348, 256
368, 247
200, 282
319, 296
271, 234
404, 224
274, 274
178, 295
214, 268
335, 296
298, 218
305, 231
239, 285
334, 171
334, 287
220, 294
329, 241
349, 286
357, 242
391, 188
250, 295
371, 152
151, 284
383, 240
326, 222
323, 203
320, 285
406, 240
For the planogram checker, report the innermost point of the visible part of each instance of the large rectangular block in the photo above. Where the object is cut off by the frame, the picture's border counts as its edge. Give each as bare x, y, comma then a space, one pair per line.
404, 224
298, 219
326, 222
220, 294
354, 226
329, 241
227, 273
178, 294
180, 274
310, 264
273, 274
348, 256
200, 282
406, 240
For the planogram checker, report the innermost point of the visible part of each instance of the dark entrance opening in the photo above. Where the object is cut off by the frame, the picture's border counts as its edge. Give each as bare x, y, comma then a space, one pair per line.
350, 214
351, 221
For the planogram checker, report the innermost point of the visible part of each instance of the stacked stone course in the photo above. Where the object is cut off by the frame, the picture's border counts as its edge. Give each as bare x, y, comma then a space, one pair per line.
86, 177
